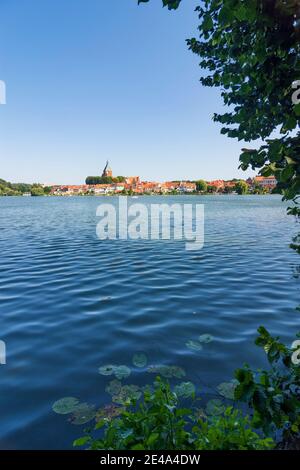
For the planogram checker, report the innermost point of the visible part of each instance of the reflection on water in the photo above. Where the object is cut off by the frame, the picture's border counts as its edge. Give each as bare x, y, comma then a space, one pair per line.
70, 304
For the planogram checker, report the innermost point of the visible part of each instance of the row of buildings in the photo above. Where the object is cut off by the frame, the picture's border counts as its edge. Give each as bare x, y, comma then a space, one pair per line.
128, 186
133, 184
268, 183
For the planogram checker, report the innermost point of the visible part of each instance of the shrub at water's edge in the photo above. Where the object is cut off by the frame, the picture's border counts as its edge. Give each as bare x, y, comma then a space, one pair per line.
264, 411
159, 423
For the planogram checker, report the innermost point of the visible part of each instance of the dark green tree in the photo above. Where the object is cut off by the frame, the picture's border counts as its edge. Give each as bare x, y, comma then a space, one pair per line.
201, 186
241, 187
250, 49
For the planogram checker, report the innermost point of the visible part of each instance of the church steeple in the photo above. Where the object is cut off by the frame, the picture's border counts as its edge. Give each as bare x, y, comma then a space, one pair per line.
107, 170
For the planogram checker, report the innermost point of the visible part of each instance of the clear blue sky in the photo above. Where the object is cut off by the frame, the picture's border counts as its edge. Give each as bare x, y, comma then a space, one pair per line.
89, 80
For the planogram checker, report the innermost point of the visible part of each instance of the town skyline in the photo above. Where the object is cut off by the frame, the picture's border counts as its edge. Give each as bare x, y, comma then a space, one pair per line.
81, 99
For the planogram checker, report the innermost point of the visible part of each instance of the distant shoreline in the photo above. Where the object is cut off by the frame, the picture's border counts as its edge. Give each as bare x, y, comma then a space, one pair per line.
137, 195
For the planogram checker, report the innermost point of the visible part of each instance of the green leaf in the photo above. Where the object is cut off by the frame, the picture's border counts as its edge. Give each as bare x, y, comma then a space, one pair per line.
127, 394
107, 369
166, 371
227, 389
206, 338
114, 387
122, 372
215, 407
185, 389
152, 438
140, 360
297, 109
207, 23
194, 345
65, 405
84, 413
81, 441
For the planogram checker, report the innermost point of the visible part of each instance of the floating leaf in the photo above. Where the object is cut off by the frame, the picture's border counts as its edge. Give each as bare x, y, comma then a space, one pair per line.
205, 338
84, 413
140, 360
127, 394
200, 414
107, 369
109, 412
185, 389
166, 371
177, 372
113, 387
122, 372
215, 407
65, 405
194, 345
226, 389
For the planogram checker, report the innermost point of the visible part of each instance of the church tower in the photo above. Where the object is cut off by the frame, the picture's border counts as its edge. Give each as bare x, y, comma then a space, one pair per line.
107, 170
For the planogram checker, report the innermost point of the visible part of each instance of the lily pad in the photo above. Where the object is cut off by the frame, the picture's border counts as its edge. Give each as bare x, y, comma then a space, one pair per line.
194, 345
84, 413
122, 372
114, 387
107, 369
215, 407
127, 394
109, 412
226, 389
65, 405
140, 360
206, 338
185, 390
177, 372
200, 414
166, 371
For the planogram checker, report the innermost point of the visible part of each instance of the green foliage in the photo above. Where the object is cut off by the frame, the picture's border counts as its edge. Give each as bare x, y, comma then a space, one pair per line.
211, 189
171, 4
158, 422
251, 50
37, 190
273, 395
120, 372
91, 180
229, 431
241, 187
14, 189
201, 186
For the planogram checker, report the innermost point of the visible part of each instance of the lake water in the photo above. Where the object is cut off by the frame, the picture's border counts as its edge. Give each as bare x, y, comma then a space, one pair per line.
70, 303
